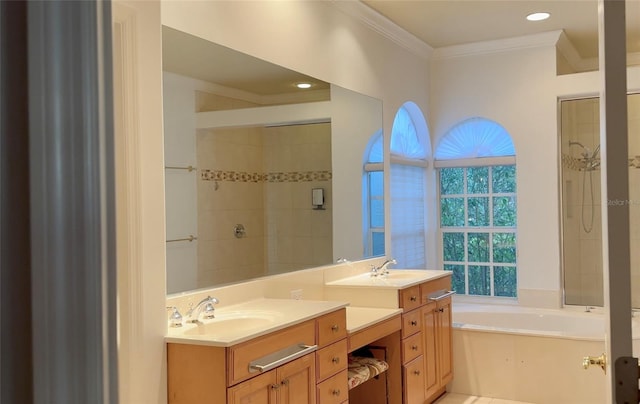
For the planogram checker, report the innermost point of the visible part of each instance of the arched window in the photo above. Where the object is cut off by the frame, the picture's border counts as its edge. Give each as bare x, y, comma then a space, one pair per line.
373, 197
477, 192
409, 150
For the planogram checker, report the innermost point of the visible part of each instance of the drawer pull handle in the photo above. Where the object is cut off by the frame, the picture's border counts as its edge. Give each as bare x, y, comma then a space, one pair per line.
414, 347
414, 322
416, 372
336, 359
335, 328
442, 295
336, 392
280, 357
413, 298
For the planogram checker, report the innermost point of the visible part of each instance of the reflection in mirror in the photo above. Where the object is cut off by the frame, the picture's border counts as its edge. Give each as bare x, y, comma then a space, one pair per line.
261, 177
581, 203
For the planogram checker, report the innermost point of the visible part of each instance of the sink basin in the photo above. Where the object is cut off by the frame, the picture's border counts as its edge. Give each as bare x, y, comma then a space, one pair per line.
236, 321
395, 278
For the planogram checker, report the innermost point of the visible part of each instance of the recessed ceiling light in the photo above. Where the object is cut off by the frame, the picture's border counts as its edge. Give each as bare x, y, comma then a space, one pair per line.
303, 85
538, 16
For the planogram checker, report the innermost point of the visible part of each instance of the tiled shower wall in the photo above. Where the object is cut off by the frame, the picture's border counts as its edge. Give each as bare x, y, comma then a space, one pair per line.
261, 178
582, 249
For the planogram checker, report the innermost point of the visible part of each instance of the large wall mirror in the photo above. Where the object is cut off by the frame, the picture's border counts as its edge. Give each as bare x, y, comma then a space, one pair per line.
581, 203
261, 177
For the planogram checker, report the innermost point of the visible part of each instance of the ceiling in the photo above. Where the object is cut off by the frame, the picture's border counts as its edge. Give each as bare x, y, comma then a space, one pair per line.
442, 23
439, 23
195, 57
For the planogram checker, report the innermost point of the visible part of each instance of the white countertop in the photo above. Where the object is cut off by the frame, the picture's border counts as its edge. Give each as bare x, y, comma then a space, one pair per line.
241, 322
359, 318
397, 279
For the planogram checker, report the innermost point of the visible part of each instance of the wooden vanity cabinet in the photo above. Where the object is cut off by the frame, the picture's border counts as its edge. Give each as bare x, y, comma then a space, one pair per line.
426, 341
436, 326
214, 375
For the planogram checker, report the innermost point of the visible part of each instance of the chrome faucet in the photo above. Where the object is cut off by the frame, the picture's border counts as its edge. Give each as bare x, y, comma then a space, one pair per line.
204, 306
175, 320
382, 269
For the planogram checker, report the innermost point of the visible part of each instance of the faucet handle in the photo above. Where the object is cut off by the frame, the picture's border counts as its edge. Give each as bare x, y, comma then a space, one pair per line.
175, 319
208, 311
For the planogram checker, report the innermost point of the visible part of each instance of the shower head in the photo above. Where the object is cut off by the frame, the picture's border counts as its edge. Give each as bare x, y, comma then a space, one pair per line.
586, 152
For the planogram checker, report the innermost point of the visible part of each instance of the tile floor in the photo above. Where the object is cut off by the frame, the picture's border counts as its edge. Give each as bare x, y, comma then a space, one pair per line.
453, 398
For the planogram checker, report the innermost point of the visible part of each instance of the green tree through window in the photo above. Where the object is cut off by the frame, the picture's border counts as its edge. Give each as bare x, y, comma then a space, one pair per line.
478, 225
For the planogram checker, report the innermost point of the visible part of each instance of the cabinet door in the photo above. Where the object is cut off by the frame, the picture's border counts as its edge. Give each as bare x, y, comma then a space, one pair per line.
298, 381
413, 375
261, 389
445, 348
429, 331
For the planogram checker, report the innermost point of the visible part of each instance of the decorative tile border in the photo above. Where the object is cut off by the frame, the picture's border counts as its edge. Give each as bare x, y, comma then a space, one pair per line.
240, 176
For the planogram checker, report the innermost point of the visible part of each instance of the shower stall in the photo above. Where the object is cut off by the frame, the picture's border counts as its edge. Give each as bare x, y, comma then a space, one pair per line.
581, 200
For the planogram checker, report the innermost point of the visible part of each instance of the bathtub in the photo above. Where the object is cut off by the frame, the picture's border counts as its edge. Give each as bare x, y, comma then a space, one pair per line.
530, 355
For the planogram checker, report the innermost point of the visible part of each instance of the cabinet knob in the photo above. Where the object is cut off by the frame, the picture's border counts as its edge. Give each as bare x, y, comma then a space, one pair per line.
285, 382
335, 328
441, 309
416, 372
414, 322
414, 347
336, 392
413, 298
275, 386
336, 359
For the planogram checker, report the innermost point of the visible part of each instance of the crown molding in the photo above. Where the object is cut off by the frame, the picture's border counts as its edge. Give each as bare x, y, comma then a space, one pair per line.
383, 26
499, 45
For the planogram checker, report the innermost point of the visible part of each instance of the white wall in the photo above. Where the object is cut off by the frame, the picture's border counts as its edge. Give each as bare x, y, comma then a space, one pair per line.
179, 100
519, 89
355, 118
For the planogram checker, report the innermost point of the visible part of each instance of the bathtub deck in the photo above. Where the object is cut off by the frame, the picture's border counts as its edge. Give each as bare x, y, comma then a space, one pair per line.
453, 398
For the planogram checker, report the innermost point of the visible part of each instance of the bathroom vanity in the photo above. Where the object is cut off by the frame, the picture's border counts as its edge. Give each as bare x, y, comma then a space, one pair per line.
298, 351
426, 339
300, 356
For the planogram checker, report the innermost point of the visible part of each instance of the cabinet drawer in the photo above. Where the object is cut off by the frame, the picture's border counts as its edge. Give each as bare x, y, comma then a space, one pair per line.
331, 359
412, 347
411, 323
332, 327
410, 298
334, 390
413, 376
239, 356
436, 285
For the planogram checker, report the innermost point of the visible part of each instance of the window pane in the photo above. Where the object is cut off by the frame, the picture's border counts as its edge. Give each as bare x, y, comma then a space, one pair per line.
478, 180
504, 179
504, 211
505, 283
504, 247
451, 181
377, 241
457, 278
453, 246
377, 213
451, 212
376, 183
478, 211
478, 247
479, 280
